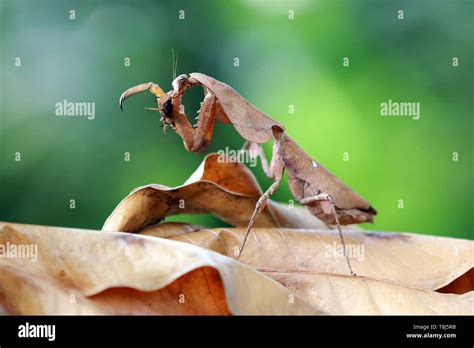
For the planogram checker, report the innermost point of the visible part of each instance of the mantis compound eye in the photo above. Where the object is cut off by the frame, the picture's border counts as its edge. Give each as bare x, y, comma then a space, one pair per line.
166, 108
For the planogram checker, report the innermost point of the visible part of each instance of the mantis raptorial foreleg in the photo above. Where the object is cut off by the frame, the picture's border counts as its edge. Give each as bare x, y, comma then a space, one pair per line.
202, 134
197, 138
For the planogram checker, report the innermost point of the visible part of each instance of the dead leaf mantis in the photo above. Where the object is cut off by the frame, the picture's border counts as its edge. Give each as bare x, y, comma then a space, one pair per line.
311, 184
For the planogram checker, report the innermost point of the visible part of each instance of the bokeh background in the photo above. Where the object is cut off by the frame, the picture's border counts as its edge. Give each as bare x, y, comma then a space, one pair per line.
282, 62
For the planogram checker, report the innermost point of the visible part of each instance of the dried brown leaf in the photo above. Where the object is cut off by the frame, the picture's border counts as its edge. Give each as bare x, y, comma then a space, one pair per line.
397, 275
417, 260
121, 273
227, 190
92, 272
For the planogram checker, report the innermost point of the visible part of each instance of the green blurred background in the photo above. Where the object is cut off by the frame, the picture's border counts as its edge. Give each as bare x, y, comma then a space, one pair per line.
282, 62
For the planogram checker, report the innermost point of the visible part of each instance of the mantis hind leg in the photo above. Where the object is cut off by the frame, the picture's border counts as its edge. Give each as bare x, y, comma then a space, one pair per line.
328, 204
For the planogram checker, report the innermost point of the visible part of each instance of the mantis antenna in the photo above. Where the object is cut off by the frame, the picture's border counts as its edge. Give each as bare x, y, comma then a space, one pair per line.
175, 63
